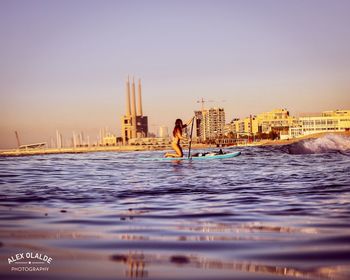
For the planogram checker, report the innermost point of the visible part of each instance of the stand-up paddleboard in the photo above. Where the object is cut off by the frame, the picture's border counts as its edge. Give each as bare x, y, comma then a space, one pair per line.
199, 157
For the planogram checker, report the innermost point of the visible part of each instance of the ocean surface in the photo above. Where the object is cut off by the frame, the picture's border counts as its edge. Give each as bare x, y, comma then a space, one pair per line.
274, 212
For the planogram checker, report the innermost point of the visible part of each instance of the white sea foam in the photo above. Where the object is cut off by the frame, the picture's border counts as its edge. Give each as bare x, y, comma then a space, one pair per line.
327, 143
330, 142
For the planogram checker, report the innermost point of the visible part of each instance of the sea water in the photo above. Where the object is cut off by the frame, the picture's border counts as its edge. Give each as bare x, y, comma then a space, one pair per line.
274, 212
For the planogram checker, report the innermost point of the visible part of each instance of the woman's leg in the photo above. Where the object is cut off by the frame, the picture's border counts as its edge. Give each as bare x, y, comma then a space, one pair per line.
177, 149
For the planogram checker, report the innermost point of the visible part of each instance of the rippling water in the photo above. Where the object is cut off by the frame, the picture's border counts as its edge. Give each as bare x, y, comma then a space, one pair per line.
271, 213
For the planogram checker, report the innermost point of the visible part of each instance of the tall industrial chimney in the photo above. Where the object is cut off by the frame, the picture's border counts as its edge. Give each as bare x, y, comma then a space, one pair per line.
127, 91
58, 140
18, 142
139, 104
133, 109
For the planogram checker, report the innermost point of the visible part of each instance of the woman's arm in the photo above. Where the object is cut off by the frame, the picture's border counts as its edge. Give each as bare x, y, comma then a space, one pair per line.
188, 122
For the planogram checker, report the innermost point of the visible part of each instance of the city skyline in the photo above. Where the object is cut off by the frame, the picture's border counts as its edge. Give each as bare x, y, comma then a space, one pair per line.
64, 63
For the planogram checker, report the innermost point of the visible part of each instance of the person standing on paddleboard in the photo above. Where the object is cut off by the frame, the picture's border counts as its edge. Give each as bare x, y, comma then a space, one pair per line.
177, 136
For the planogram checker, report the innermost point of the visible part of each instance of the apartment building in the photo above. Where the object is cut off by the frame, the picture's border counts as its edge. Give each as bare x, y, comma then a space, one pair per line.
210, 124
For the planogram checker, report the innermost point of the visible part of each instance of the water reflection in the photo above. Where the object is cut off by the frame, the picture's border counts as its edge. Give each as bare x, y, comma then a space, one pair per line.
135, 266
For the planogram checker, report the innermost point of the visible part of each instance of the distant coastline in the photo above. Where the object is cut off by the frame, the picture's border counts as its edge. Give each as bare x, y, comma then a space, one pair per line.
48, 151
129, 148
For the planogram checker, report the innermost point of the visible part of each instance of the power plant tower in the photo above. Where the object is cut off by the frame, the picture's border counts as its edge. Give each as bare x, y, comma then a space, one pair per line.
139, 104
18, 142
133, 109
134, 124
58, 140
127, 91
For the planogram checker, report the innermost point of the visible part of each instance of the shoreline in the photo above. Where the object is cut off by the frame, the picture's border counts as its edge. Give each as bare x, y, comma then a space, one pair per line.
50, 151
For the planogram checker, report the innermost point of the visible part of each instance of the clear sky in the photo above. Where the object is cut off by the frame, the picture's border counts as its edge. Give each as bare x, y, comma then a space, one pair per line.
63, 64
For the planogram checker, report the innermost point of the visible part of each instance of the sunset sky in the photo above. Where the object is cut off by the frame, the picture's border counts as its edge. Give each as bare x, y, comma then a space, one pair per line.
63, 64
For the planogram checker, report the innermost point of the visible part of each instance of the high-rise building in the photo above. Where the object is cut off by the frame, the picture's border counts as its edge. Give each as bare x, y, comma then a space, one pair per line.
210, 123
134, 124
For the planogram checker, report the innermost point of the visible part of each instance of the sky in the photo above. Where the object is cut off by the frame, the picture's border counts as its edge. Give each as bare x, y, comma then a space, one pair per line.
63, 64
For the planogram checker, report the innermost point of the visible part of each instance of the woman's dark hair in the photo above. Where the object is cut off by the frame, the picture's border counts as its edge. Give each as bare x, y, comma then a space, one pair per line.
178, 127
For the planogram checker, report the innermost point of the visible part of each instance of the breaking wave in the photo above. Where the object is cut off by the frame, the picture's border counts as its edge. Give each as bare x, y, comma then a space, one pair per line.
325, 144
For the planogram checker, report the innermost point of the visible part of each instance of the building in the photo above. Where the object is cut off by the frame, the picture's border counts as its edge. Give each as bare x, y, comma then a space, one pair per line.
329, 121
278, 121
163, 132
109, 140
134, 123
199, 120
150, 141
336, 113
231, 127
210, 124
239, 127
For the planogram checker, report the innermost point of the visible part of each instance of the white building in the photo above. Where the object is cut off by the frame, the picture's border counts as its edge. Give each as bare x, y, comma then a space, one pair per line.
329, 121
149, 141
109, 140
163, 132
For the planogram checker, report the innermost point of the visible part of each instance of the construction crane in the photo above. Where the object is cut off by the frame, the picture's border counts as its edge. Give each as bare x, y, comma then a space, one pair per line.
202, 101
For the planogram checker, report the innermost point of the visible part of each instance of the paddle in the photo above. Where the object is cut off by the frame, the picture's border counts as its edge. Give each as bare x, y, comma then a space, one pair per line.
189, 146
